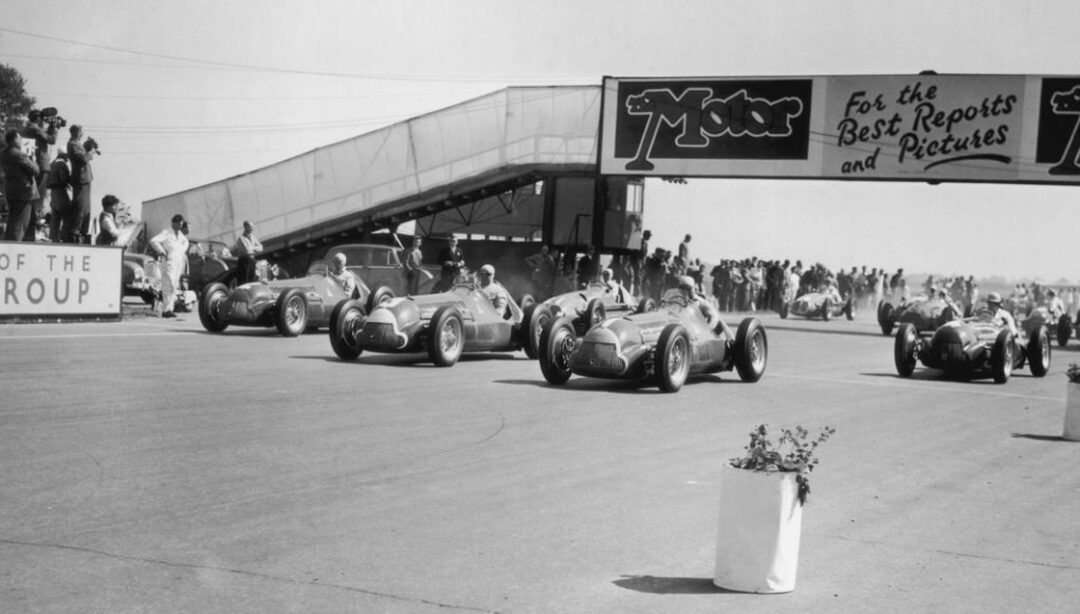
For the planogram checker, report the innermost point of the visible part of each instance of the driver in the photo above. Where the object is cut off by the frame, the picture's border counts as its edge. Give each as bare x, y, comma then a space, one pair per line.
1054, 304
611, 286
688, 288
495, 293
341, 275
998, 315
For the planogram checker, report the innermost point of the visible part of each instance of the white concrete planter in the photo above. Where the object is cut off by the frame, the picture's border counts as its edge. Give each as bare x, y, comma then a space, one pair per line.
1072, 412
757, 547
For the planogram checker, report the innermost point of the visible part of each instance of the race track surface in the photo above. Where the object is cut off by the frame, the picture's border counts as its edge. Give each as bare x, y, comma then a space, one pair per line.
151, 466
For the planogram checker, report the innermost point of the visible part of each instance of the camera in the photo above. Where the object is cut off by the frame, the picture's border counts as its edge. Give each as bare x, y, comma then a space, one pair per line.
49, 114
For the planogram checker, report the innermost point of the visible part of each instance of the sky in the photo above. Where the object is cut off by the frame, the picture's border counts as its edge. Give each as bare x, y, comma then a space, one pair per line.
183, 94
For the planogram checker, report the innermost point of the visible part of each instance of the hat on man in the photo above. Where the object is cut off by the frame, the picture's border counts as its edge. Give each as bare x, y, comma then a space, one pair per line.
993, 297
487, 268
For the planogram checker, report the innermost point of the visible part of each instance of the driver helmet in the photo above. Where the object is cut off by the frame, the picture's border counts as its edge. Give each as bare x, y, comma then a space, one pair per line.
339, 258
687, 283
1052, 292
487, 269
993, 299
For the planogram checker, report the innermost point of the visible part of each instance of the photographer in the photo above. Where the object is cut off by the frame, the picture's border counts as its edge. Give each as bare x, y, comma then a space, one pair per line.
42, 136
20, 183
79, 155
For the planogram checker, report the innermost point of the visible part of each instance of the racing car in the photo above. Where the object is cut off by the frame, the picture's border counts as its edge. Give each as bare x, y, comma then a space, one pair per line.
292, 305
973, 347
925, 312
1062, 325
445, 325
817, 305
663, 346
584, 308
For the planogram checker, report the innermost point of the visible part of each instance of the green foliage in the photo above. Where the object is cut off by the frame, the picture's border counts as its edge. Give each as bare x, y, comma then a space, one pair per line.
793, 451
15, 103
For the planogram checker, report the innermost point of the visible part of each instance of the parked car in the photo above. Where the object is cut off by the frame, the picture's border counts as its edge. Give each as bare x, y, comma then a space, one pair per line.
445, 325
973, 347
663, 346
290, 305
583, 308
141, 277
925, 312
209, 261
818, 305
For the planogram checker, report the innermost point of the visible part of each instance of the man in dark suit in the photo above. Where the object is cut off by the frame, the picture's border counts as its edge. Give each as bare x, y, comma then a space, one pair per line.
81, 175
20, 187
452, 260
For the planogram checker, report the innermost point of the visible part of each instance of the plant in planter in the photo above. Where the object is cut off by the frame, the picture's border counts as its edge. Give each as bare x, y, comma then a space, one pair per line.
762, 494
793, 451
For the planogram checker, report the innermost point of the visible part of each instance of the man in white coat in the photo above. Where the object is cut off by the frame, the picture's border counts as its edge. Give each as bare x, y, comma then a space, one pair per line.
172, 244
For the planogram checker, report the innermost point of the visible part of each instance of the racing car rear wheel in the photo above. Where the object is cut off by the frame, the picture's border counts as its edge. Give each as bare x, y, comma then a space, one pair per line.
1038, 352
646, 304
672, 358
346, 320
826, 310
884, 317
1001, 357
751, 350
904, 349
1064, 330
594, 313
447, 336
291, 313
784, 310
536, 316
378, 297
849, 309
556, 345
210, 308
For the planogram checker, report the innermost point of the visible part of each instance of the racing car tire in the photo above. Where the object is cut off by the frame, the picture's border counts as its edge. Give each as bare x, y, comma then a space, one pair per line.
291, 313
526, 300
646, 305
1001, 357
378, 297
594, 313
446, 336
345, 319
849, 309
884, 318
751, 350
536, 316
672, 358
148, 296
553, 359
783, 310
826, 310
211, 301
1038, 352
1064, 330
904, 349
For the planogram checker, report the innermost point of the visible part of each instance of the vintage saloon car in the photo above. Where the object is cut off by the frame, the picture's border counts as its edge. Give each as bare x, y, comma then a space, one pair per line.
291, 305
584, 308
141, 277
445, 325
973, 347
663, 346
817, 305
925, 312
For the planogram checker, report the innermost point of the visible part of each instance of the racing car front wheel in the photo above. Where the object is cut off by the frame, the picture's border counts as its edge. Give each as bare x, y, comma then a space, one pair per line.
291, 313
1001, 357
447, 337
346, 320
826, 310
1064, 330
751, 350
534, 319
904, 349
1038, 352
378, 297
556, 345
672, 358
784, 310
885, 317
646, 305
594, 313
210, 308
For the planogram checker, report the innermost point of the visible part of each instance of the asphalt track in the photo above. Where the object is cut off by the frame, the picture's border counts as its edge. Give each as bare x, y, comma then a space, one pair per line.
149, 466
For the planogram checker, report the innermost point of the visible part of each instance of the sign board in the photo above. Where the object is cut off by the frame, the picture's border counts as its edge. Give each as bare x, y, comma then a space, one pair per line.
997, 128
59, 280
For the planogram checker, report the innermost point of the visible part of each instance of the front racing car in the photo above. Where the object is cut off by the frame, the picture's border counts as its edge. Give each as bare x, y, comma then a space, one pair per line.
818, 305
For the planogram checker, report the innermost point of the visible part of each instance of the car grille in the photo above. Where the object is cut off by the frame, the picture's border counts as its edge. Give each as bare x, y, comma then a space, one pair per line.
379, 335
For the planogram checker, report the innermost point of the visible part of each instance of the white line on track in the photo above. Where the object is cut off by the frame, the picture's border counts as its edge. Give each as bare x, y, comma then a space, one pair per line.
895, 384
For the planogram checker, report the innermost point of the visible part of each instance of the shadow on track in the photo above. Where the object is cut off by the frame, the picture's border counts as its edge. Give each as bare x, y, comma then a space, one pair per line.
593, 384
853, 333
406, 360
670, 586
1041, 437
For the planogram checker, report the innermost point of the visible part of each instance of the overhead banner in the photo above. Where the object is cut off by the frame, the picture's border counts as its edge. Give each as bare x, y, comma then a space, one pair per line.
57, 280
999, 128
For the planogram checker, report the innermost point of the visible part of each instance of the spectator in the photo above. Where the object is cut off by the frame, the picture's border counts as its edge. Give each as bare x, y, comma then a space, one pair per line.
81, 177
186, 299
684, 249
59, 195
171, 244
246, 248
20, 187
452, 261
414, 259
543, 269
108, 231
42, 137
586, 266
638, 260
